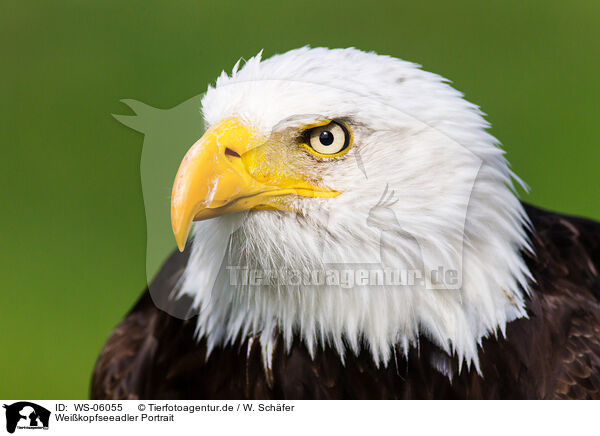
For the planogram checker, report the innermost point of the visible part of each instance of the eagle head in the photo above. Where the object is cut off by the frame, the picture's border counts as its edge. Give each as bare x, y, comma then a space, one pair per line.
350, 200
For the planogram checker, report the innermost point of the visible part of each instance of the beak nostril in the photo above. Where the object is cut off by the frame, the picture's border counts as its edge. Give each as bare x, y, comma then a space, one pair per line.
230, 152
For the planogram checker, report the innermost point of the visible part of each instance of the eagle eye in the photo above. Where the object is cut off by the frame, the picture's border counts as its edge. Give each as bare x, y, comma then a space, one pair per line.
328, 140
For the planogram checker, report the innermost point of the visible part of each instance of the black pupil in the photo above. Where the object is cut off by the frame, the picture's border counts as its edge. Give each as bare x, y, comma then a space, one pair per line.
326, 137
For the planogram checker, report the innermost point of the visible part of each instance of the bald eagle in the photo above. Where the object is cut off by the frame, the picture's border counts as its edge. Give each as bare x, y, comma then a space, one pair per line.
354, 232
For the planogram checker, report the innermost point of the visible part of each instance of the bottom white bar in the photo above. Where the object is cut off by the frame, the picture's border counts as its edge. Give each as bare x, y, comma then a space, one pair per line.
299, 417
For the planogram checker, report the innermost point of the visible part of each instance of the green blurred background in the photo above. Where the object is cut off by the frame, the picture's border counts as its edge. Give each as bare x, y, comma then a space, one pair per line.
72, 225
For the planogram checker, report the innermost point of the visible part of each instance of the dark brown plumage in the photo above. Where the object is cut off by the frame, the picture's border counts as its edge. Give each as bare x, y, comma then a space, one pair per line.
555, 353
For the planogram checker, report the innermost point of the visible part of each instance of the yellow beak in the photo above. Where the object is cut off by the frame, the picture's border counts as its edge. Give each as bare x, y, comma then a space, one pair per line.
223, 172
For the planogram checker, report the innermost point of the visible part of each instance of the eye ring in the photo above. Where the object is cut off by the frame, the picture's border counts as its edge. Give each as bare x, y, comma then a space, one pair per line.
329, 140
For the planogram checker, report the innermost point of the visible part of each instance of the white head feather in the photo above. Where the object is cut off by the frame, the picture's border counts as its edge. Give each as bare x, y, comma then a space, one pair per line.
420, 149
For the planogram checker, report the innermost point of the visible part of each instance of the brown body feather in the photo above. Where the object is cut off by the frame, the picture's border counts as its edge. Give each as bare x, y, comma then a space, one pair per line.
555, 353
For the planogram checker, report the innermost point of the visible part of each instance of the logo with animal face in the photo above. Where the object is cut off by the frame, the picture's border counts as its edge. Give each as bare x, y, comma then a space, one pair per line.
412, 214
26, 415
